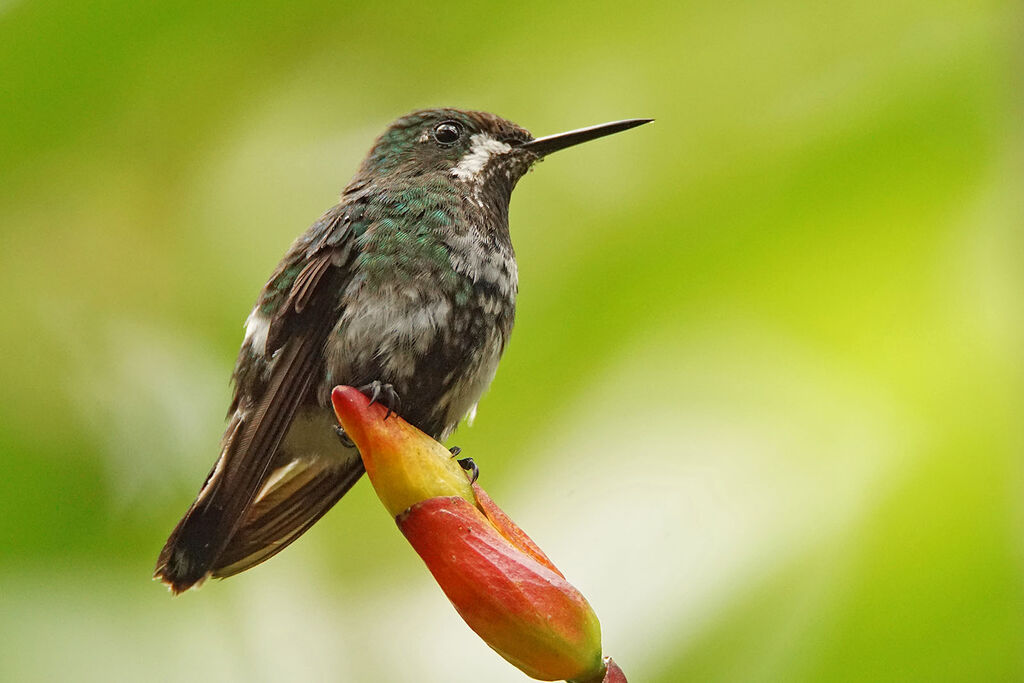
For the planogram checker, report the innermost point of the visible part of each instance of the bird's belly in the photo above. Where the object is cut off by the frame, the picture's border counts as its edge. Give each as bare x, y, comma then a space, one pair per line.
468, 386
382, 337
439, 357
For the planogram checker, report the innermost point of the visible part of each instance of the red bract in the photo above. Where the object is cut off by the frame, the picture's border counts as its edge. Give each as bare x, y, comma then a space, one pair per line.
523, 609
612, 672
500, 582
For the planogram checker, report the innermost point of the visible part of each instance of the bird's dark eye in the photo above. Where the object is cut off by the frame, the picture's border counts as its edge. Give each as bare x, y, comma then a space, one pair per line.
447, 132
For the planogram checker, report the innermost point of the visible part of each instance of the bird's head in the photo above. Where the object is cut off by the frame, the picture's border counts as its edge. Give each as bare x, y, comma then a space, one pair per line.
477, 149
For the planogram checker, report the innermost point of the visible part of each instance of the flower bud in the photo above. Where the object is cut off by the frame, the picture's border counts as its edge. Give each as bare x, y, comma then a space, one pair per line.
498, 580
521, 608
405, 465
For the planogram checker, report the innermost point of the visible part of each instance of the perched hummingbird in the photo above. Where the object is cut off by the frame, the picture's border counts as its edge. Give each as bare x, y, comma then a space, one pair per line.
407, 289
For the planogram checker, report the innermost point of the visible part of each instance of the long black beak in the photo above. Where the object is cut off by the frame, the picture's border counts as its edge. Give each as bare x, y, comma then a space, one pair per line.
553, 143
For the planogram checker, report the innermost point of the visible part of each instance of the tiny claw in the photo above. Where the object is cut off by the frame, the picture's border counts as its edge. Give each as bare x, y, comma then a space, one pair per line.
454, 450
384, 394
470, 466
345, 440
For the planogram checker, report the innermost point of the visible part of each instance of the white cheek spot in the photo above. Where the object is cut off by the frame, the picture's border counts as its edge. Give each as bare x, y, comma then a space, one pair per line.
256, 328
474, 161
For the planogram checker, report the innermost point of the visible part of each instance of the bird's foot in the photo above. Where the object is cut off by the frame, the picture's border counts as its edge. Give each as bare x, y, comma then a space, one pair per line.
471, 467
345, 440
384, 394
454, 450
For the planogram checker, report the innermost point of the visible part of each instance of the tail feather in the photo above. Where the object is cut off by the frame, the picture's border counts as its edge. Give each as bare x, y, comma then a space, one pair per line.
287, 510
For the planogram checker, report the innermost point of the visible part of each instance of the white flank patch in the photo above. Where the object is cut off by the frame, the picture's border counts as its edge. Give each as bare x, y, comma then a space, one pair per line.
484, 146
256, 327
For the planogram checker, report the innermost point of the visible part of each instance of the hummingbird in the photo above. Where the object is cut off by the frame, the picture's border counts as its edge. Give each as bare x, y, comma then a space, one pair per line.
406, 289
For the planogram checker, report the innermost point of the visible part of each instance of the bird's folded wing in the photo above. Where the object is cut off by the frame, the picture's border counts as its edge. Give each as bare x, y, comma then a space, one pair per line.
271, 383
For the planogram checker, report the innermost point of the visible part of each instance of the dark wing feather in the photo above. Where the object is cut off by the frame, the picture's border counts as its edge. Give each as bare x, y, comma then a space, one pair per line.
305, 284
265, 404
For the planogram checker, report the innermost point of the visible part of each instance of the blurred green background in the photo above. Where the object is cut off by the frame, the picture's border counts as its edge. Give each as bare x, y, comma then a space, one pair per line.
762, 404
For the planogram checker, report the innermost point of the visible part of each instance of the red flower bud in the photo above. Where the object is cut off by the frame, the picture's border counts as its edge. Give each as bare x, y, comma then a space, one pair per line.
500, 582
523, 609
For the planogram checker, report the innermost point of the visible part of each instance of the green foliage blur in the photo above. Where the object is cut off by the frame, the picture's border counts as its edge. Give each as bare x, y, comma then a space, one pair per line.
762, 404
